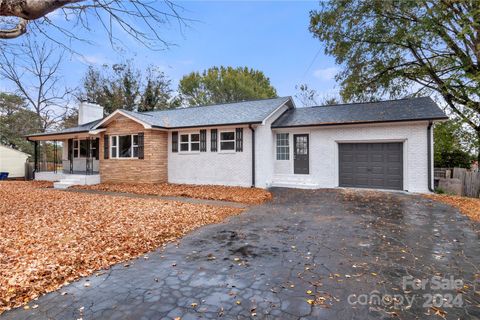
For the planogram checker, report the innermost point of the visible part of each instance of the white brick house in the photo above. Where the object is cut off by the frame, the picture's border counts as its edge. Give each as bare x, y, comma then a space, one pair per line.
265, 143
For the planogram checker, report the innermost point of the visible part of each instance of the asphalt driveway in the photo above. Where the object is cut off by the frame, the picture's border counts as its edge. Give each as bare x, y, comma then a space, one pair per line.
323, 254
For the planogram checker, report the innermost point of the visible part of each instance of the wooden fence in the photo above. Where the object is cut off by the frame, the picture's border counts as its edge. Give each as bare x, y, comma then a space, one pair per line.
468, 180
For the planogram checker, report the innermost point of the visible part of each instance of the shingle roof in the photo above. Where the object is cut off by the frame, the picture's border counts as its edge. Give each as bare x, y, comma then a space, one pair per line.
383, 111
82, 128
220, 114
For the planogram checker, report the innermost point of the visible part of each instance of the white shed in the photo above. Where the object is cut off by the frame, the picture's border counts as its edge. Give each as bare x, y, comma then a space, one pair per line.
12, 161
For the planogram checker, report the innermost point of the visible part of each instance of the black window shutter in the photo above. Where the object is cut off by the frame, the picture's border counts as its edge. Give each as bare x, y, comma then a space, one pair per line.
175, 141
96, 144
70, 149
203, 140
105, 147
141, 144
239, 139
213, 140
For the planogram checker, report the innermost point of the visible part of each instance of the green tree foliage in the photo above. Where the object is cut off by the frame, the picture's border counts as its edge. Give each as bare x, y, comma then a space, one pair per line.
396, 48
121, 86
157, 93
453, 144
113, 87
16, 121
225, 84
70, 119
454, 159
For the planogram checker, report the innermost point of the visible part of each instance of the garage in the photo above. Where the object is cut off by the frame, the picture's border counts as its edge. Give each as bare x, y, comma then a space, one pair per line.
371, 165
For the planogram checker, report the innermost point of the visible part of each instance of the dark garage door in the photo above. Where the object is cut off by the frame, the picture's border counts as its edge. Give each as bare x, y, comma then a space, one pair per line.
371, 165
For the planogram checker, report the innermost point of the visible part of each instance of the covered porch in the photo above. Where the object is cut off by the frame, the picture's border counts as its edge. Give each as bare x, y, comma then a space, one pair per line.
69, 159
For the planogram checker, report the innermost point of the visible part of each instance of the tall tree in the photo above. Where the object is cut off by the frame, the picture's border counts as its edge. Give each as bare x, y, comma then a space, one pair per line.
113, 87
157, 92
225, 84
452, 139
121, 86
308, 97
16, 120
138, 19
34, 71
391, 48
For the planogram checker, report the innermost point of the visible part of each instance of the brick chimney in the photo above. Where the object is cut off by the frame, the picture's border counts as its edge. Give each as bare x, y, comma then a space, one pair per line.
88, 112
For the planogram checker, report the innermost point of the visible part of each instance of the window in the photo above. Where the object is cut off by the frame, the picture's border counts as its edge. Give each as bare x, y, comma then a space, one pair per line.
124, 146
184, 142
83, 149
113, 148
76, 144
227, 140
80, 148
135, 145
190, 142
195, 142
93, 148
283, 149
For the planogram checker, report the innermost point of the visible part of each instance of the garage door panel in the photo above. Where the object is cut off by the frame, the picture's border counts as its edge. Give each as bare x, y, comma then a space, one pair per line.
347, 157
394, 171
359, 169
375, 146
361, 180
392, 157
377, 157
361, 157
371, 165
347, 169
394, 184
360, 147
377, 183
378, 170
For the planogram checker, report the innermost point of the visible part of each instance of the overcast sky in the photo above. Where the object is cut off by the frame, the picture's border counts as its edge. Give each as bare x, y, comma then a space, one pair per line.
269, 36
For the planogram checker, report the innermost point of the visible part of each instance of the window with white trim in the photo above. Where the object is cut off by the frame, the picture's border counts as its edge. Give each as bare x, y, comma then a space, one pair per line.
80, 148
76, 147
190, 142
283, 148
124, 146
227, 140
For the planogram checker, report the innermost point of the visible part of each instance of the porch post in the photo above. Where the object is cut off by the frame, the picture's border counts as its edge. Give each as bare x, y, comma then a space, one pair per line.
71, 155
87, 158
35, 158
55, 156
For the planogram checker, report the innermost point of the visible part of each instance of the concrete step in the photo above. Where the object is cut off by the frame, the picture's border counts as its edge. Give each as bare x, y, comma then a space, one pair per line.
294, 185
63, 184
74, 181
293, 181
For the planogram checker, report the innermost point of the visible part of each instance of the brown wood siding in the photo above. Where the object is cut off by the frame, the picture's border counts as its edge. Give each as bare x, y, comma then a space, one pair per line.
151, 169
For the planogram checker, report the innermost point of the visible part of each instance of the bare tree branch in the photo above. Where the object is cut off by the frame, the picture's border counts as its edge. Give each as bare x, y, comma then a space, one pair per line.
139, 19
33, 69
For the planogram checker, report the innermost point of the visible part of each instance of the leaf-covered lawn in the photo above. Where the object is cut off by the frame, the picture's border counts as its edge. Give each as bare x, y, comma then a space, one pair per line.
468, 206
210, 192
49, 238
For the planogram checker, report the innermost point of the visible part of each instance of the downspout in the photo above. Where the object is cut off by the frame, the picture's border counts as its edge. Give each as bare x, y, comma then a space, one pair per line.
253, 155
429, 154
35, 155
